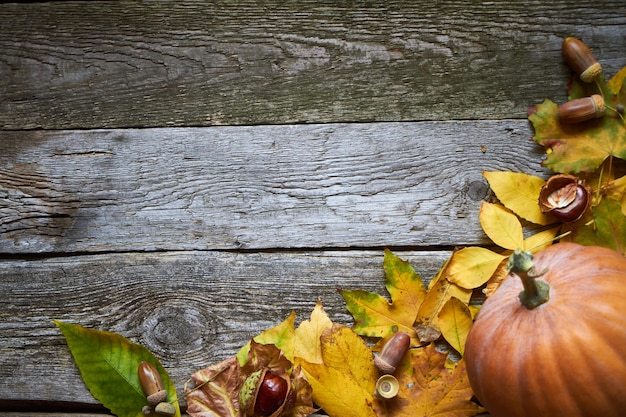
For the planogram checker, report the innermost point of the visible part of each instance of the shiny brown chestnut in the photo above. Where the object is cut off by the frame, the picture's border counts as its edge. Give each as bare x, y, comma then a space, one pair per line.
151, 383
580, 59
565, 197
582, 109
265, 393
392, 352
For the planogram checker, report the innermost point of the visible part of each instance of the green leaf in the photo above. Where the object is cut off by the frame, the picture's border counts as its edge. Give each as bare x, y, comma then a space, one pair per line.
108, 364
582, 147
608, 228
375, 316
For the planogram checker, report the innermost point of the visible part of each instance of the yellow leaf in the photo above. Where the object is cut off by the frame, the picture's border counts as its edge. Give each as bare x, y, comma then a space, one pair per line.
616, 190
519, 193
540, 240
440, 291
307, 343
431, 389
455, 322
337, 393
502, 226
472, 267
344, 384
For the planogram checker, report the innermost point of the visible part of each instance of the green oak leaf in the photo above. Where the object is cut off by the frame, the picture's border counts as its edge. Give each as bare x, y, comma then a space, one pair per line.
374, 315
582, 147
108, 364
608, 228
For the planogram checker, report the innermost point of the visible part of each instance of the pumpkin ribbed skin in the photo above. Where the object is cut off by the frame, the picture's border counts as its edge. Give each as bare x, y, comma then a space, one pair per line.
566, 357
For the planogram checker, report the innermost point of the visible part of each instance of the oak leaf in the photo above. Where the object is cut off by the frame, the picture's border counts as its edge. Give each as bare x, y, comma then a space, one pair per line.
608, 228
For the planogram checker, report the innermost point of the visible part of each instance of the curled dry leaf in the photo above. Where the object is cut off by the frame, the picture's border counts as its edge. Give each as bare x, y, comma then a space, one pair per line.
216, 389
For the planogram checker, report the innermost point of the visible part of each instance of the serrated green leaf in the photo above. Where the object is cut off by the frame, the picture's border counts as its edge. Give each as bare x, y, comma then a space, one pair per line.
374, 316
108, 364
582, 147
608, 228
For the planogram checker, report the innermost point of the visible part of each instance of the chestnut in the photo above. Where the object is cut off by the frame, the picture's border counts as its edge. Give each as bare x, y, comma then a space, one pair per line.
580, 59
581, 109
392, 352
264, 393
151, 383
565, 197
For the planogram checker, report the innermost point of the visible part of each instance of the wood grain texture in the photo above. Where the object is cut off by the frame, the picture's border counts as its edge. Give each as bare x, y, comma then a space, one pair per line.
190, 309
305, 186
155, 64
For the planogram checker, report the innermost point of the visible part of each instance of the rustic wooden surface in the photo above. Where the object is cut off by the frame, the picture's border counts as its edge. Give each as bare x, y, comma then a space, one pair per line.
348, 126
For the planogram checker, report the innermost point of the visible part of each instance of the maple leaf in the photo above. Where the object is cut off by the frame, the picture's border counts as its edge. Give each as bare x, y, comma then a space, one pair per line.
582, 147
345, 383
429, 388
608, 228
375, 316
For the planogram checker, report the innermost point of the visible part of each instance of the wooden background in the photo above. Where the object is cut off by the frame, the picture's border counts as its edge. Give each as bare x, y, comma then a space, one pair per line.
187, 174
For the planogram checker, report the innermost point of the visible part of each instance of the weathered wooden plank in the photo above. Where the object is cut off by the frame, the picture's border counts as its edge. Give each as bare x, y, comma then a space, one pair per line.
130, 64
189, 308
299, 186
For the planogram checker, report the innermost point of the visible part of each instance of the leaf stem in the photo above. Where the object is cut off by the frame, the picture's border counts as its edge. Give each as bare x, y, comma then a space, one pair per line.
535, 292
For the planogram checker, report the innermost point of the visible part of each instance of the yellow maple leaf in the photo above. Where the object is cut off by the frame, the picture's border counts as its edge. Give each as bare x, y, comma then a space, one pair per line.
345, 383
432, 389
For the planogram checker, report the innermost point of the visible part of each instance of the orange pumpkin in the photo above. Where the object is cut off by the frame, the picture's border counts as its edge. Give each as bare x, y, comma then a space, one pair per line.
564, 357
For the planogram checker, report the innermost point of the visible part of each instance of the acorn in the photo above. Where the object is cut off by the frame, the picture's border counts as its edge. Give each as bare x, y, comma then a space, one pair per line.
151, 383
392, 353
580, 59
565, 197
581, 109
387, 386
265, 393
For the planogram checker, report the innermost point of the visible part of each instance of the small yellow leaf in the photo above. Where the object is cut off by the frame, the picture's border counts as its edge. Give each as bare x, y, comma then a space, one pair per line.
281, 335
540, 240
307, 343
502, 226
440, 291
473, 266
519, 192
455, 322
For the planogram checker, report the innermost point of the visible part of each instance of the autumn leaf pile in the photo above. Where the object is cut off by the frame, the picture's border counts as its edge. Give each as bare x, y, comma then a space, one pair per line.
331, 367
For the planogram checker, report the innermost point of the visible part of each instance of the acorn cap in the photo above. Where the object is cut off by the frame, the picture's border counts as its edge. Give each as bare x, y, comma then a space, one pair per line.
387, 386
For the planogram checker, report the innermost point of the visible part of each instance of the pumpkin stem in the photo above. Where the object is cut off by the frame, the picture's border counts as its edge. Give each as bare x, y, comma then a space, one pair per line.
535, 292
